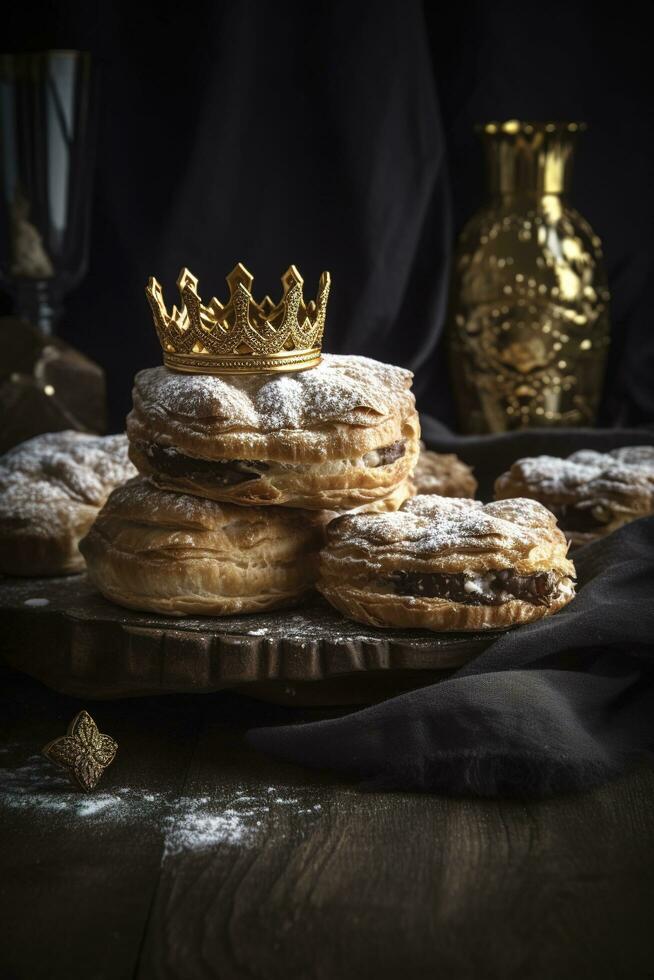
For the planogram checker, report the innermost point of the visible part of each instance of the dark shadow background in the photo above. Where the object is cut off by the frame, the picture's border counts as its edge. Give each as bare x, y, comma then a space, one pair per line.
340, 136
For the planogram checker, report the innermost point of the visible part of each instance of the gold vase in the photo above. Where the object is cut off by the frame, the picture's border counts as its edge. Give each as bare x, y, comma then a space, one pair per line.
528, 323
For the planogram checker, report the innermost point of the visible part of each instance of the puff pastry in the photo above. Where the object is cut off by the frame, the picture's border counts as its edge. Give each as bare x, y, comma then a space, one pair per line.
177, 554
443, 474
339, 436
51, 488
592, 494
445, 563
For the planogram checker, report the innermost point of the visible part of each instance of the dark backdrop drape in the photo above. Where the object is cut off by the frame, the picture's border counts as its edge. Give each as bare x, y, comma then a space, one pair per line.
338, 135
323, 134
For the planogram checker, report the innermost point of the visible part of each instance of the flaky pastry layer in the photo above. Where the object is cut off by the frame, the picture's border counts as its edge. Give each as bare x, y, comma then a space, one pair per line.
316, 436
342, 409
432, 535
336, 485
177, 554
443, 474
406, 612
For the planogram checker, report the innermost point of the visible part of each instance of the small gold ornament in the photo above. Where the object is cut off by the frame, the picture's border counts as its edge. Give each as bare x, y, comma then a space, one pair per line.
84, 753
528, 325
243, 336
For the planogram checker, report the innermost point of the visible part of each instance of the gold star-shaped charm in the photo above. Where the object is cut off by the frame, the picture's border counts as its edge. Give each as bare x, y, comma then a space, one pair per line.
84, 753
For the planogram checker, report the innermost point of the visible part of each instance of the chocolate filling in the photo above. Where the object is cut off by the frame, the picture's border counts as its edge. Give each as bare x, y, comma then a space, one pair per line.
491, 589
578, 519
228, 472
388, 454
224, 472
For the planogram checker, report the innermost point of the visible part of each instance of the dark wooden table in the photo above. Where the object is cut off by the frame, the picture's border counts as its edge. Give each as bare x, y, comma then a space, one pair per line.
198, 857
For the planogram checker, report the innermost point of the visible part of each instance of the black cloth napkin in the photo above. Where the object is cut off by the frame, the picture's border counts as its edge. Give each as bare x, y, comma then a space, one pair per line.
555, 706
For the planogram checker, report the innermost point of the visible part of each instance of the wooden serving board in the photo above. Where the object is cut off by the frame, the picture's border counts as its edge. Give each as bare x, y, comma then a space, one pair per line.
64, 633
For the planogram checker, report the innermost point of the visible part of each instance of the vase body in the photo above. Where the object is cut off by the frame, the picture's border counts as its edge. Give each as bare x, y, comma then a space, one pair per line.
528, 320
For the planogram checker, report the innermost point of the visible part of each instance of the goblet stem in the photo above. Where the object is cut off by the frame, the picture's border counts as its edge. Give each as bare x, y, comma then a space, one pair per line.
38, 302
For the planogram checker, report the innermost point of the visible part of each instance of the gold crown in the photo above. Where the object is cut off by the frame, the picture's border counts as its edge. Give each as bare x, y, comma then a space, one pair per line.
243, 336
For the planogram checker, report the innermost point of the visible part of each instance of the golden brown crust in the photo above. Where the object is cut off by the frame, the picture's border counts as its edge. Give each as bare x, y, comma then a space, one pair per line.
342, 409
403, 492
317, 433
617, 487
180, 555
51, 489
443, 474
432, 535
438, 615
336, 485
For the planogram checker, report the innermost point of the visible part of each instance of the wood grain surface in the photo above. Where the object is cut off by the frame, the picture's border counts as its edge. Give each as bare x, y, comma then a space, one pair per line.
204, 859
62, 631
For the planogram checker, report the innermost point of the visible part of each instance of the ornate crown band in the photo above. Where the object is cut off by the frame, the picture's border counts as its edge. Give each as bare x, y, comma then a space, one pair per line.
243, 336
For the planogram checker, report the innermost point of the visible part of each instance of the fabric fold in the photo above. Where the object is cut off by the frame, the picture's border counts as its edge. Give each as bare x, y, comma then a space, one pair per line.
556, 706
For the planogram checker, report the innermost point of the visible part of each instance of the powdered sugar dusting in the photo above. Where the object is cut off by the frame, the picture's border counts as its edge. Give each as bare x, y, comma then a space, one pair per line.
341, 388
429, 525
194, 828
141, 500
191, 823
37, 785
435, 506
304, 632
586, 473
47, 478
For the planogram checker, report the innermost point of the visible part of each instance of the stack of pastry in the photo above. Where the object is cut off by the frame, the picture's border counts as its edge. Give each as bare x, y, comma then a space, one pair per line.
245, 440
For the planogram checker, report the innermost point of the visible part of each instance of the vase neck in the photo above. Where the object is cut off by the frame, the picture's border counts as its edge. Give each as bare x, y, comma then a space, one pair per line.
529, 159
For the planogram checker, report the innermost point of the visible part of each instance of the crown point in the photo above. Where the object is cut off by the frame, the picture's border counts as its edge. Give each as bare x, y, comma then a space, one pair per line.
291, 278
153, 288
186, 278
240, 276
